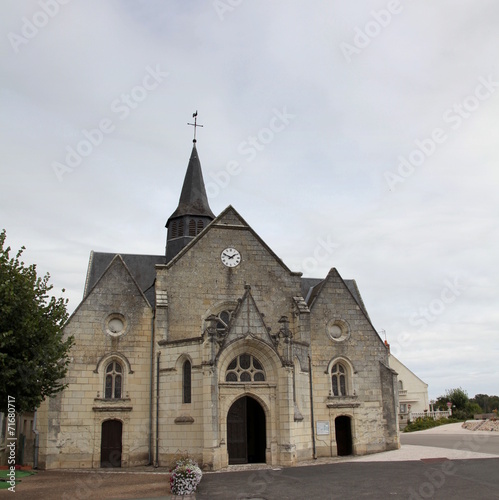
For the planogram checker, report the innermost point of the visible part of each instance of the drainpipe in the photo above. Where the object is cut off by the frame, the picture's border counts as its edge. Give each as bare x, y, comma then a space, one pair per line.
156, 463
37, 443
151, 389
312, 407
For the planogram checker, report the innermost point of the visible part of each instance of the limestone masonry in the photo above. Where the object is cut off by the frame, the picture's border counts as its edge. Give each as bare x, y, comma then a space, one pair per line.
218, 350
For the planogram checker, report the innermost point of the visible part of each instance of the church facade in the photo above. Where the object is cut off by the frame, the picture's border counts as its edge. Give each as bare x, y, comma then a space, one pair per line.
218, 350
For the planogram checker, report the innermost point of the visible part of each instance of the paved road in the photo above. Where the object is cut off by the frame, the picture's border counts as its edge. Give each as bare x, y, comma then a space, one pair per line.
442, 480
438, 479
480, 442
430, 467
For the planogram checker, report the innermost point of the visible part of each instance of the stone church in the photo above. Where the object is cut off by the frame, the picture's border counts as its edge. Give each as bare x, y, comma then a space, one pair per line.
217, 349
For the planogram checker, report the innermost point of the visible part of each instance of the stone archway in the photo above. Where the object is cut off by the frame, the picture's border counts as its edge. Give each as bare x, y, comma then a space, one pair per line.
246, 432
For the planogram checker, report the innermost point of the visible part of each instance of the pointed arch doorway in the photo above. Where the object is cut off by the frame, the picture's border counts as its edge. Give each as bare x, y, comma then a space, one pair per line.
246, 434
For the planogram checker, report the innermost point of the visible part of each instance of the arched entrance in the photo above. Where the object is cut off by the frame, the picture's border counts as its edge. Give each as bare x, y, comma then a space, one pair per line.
246, 437
343, 431
110, 448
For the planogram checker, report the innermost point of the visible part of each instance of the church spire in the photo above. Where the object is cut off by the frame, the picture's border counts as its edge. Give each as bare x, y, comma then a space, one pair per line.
193, 213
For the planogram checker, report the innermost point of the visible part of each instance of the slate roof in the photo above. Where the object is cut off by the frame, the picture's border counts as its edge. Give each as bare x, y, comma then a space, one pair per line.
310, 287
193, 198
141, 267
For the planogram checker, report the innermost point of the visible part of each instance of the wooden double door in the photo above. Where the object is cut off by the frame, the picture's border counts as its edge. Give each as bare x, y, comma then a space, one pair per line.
246, 434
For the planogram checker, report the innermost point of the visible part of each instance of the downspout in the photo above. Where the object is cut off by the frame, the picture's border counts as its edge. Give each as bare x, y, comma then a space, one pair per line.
37, 443
151, 388
312, 407
156, 463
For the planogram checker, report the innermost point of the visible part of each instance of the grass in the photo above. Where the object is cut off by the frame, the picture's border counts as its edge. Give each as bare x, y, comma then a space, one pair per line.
422, 423
5, 478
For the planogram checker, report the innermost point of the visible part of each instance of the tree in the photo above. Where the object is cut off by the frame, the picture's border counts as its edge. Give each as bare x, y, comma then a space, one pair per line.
458, 397
34, 353
487, 403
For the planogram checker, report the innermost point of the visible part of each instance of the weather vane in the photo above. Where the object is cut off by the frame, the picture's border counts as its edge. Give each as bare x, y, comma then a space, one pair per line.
195, 124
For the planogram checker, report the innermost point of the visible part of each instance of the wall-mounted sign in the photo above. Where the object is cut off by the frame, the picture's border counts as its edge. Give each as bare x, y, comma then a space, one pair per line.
322, 427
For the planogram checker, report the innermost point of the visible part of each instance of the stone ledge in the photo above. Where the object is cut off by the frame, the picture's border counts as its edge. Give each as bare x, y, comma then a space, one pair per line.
112, 408
184, 419
342, 402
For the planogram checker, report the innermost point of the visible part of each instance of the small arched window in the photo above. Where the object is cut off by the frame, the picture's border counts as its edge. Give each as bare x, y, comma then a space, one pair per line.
200, 225
174, 229
114, 381
245, 368
339, 380
401, 385
186, 382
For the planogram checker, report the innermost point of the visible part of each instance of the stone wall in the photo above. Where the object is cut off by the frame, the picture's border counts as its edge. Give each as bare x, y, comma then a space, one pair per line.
70, 424
342, 333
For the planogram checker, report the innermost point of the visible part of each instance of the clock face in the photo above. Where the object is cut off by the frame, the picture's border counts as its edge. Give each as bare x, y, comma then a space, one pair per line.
230, 257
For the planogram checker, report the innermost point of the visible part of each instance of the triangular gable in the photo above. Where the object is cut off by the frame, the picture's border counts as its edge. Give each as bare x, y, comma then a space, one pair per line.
247, 320
141, 267
335, 279
229, 218
405, 367
117, 260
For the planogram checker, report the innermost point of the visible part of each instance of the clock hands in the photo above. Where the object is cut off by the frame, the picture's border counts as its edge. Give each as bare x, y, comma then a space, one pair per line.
230, 257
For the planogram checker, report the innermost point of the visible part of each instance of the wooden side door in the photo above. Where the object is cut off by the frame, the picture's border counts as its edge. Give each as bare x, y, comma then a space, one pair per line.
343, 431
111, 443
237, 438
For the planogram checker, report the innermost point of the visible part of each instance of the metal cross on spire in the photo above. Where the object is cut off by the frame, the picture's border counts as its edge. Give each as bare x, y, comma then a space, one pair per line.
195, 124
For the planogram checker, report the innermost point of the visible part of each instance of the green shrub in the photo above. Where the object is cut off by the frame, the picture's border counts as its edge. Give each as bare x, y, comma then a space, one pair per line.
422, 423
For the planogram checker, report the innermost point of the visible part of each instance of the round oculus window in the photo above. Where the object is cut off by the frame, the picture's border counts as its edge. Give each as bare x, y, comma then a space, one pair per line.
337, 330
115, 325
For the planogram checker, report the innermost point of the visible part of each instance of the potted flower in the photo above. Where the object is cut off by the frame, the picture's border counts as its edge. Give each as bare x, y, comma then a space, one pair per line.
185, 477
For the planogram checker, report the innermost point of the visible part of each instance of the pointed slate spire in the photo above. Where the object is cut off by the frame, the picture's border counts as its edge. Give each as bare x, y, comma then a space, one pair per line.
193, 213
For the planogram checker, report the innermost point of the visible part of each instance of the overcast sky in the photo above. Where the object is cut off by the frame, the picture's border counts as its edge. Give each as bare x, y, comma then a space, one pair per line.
357, 135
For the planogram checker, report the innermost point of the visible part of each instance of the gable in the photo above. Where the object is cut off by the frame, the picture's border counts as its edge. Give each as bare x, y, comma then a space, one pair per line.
246, 321
115, 289
231, 219
196, 279
334, 300
141, 268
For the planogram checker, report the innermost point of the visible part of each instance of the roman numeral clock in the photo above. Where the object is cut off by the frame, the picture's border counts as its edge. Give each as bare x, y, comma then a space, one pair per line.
230, 257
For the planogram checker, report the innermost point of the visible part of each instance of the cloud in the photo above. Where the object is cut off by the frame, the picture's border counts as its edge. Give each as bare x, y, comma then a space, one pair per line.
323, 176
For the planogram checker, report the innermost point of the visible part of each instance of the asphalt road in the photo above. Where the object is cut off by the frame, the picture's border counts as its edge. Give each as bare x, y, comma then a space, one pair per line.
417, 477
437, 479
479, 442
